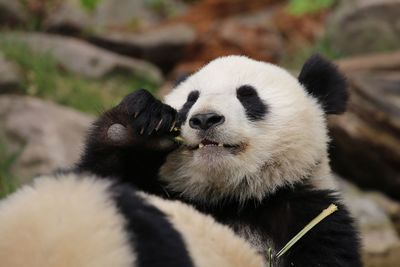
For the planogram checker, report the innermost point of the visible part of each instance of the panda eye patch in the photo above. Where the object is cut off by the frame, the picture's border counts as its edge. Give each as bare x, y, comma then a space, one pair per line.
191, 99
253, 104
246, 91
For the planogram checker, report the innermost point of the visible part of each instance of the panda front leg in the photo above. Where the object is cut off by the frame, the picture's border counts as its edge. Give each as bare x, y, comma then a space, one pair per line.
131, 141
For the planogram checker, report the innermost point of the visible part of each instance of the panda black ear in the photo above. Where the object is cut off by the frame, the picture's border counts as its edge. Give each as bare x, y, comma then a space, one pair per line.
323, 80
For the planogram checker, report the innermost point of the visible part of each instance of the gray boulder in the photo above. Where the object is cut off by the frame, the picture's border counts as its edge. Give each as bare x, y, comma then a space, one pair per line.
82, 58
380, 241
164, 46
109, 14
363, 26
366, 139
12, 12
49, 136
10, 76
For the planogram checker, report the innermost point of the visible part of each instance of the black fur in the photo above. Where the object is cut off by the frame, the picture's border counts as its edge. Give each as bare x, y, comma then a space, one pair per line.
254, 106
191, 99
280, 216
138, 159
152, 236
323, 81
149, 112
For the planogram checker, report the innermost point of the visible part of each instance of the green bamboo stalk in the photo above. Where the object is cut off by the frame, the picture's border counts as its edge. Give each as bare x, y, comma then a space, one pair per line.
325, 213
270, 257
179, 139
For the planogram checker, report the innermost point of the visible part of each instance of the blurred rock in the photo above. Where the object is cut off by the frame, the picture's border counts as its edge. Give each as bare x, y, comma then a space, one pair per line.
371, 25
254, 34
82, 58
164, 46
366, 138
389, 206
385, 61
378, 235
71, 15
49, 136
231, 27
388, 259
10, 77
12, 13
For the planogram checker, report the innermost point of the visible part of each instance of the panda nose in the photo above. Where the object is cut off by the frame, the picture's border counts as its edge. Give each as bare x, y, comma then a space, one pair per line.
205, 121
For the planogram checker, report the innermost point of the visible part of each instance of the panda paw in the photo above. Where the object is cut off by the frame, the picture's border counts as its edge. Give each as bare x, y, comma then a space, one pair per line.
148, 116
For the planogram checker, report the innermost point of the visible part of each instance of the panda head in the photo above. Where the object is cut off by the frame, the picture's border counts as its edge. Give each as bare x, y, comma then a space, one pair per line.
251, 127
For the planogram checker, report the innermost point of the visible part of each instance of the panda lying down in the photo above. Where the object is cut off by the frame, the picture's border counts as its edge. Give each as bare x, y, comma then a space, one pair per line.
254, 157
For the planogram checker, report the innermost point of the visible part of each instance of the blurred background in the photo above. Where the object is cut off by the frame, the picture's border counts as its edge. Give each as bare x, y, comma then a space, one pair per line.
62, 62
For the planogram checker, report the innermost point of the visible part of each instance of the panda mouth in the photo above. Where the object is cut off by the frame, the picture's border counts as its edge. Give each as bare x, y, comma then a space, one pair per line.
206, 143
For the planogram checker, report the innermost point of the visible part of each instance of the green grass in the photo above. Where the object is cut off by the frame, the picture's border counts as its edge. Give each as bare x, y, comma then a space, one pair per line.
44, 78
301, 7
7, 159
90, 5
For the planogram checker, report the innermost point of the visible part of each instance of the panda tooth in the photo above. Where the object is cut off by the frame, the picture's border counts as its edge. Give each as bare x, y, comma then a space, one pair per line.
201, 145
220, 144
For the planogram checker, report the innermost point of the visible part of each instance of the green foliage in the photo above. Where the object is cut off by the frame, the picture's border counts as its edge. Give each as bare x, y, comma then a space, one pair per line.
7, 159
90, 5
301, 7
46, 79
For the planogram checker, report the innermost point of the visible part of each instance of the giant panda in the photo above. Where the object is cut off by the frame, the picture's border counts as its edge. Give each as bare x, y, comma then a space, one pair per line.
254, 154
80, 220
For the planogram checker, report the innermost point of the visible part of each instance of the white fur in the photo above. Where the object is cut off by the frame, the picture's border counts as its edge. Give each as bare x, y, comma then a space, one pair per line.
289, 145
63, 222
209, 243
71, 221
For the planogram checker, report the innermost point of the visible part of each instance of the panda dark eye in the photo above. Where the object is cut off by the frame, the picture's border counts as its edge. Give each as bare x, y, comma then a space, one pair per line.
190, 101
253, 104
246, 91
193, 96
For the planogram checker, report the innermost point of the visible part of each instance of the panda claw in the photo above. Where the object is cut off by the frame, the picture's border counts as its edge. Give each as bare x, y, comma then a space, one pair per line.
158, 125
142, 131
173, 126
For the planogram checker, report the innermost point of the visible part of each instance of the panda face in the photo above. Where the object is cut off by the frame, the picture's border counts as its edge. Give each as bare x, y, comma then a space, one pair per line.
249, 127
